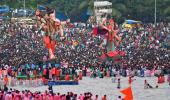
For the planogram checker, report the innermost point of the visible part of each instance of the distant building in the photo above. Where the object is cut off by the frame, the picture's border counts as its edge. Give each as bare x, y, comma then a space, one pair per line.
101, 8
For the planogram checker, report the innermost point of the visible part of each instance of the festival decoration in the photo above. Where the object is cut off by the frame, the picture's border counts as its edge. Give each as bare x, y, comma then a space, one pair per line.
128, 93
109, 29
52, 27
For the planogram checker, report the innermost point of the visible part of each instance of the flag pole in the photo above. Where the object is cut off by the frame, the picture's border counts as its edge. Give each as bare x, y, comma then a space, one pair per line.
155, 13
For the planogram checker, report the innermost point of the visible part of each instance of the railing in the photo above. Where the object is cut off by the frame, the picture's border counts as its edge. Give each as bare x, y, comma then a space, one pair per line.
23, 83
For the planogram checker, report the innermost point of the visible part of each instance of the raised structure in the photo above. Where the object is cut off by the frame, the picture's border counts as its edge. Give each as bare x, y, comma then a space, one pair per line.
101, 8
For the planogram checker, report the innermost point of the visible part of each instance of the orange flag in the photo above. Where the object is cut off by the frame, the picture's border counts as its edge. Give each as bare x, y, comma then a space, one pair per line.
128, 93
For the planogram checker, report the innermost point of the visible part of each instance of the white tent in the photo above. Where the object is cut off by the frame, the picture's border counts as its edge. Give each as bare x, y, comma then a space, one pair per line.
102, 3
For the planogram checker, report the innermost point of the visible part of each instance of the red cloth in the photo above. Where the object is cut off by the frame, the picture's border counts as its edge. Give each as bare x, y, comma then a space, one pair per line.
67, 77
104, 98
161, 79
80, 76
130, 80
57, 97
111, 21
95, 31
58, 72
122, 53
113, 54
46, 40
44, 72
118, 60
49, 43
54, 71
103, 56
45, 81
116, 53
53, 43
6, 80
128, 93
17, 96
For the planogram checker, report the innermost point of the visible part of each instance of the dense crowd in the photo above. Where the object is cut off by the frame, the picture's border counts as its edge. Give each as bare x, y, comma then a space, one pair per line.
145, 47
22, 52
19, 44
12, 94
148, 46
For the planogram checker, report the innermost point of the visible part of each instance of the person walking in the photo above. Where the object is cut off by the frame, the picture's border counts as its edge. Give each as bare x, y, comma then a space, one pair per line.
104, 97
168, 79
118, 84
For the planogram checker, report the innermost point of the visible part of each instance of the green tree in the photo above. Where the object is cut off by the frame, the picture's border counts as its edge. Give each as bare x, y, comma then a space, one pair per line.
122, 9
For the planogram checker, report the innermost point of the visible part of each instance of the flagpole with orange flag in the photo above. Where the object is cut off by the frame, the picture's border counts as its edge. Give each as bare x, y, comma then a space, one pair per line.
128, 93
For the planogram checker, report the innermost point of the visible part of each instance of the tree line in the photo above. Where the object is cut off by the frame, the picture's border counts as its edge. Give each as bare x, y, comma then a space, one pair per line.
122, 9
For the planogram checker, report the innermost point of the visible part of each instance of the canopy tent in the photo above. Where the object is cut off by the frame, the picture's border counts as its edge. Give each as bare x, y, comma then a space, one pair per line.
132, 21
4, 9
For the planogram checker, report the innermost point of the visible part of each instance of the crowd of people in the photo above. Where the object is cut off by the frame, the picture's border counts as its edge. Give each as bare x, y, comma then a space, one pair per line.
145, 47
22, 52
12, 94
19, 44
148, 46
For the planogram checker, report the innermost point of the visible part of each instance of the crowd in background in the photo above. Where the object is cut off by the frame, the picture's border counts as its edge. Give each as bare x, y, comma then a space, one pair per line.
22, 52
19, 44
146, 47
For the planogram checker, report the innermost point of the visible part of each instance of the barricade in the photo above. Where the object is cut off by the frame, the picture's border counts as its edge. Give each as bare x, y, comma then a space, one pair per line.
25, 83
35, 83
147, 73
62, 83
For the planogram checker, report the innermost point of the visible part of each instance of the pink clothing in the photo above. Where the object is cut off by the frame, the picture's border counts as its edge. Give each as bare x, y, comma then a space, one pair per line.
8, 97
168, 78
63, 98
51, 97
40, 97
57, 97
81, 97
48, 97
96, 99
17, 96
108, 73
26, 98
37, 97
22, 96
45, 96
50, 73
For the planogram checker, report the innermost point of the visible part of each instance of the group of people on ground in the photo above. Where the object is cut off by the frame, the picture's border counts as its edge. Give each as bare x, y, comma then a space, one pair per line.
82, 53
13, 94
146, 47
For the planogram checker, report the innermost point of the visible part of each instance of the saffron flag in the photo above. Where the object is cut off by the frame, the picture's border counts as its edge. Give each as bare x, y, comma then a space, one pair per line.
128, 93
